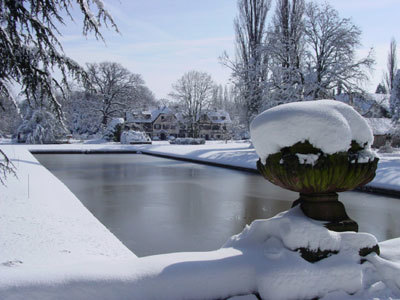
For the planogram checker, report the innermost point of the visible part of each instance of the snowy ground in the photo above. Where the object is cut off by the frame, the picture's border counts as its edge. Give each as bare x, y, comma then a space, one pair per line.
53, 248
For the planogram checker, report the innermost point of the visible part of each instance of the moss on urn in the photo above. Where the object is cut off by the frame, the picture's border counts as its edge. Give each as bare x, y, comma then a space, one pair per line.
336, 172
317, 176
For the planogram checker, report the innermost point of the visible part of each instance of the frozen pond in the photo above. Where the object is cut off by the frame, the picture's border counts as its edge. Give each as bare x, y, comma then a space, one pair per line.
157, 205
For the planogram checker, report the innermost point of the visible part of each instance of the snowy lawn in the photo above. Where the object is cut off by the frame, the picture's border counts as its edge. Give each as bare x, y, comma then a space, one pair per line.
53, 248
387, 175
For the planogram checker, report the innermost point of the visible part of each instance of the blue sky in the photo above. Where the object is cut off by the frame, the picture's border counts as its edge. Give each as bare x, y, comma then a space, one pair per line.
163, 39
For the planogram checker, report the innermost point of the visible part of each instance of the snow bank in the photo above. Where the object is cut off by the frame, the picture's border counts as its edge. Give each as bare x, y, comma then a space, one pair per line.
283, 274
44, 227
327, 124
387, 175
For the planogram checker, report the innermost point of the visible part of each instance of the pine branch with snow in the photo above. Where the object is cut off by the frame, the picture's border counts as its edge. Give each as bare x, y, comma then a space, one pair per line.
30, 49
6, 167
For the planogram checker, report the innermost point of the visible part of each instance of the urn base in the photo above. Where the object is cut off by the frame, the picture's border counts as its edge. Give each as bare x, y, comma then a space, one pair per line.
327, 207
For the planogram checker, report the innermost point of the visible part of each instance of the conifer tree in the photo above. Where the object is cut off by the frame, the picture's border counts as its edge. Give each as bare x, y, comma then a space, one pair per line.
395, 98
30, 49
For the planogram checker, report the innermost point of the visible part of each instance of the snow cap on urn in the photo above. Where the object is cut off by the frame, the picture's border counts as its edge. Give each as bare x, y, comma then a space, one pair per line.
327, 124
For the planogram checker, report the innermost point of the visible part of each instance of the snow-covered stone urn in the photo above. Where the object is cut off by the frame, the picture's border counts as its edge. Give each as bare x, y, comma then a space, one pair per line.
316, 148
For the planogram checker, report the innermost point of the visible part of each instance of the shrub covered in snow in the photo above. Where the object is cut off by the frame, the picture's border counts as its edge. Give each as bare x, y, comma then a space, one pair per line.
188, 141
328, 125
114, 129
133, 137
40, 127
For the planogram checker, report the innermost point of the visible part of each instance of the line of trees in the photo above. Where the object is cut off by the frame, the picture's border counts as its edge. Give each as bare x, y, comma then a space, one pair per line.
110, 90
306, 52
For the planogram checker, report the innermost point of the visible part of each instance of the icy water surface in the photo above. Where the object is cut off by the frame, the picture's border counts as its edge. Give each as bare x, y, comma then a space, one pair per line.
157, 205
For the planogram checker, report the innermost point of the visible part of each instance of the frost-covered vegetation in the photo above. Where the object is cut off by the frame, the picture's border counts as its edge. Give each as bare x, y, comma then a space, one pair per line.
40, 126
306, 52
134, 137
188, 141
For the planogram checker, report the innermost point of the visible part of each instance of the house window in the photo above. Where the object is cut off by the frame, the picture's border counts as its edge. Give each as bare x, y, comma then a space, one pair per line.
157, 126
173, 127
165, 126
215, 127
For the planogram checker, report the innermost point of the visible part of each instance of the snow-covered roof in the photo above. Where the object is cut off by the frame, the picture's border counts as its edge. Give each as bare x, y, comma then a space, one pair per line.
363, 105
329, 125
380, 126
147, 116
215, 116
219, 116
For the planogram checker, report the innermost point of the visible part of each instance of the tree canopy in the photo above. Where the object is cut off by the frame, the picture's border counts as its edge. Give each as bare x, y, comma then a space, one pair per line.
30, 49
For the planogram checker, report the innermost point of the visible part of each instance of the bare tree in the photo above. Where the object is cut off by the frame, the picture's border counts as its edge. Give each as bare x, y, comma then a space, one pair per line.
331, 43
194, 91
391, 65
250, 66
286, 49
114, 87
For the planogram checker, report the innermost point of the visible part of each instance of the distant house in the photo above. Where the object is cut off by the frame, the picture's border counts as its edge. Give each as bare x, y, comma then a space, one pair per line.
382, 129
162, 123
368, 105
214, 125
156, 123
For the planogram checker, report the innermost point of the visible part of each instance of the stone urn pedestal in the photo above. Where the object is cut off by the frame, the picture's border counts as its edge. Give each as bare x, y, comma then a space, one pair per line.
318, 177
318, 149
